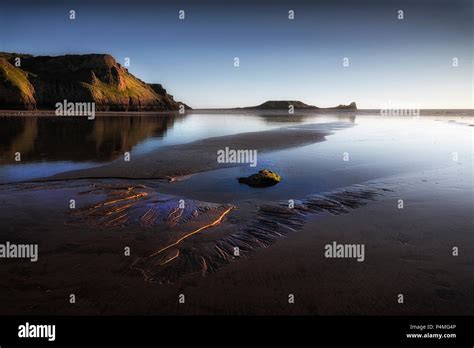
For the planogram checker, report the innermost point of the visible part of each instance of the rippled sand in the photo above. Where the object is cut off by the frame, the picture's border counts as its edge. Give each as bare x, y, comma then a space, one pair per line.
187, 246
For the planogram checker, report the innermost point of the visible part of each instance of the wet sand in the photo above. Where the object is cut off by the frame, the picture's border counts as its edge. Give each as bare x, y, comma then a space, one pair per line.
408, 251
189, 251
201, 155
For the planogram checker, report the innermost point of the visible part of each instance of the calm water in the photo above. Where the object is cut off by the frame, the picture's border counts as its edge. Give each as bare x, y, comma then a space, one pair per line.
377, 147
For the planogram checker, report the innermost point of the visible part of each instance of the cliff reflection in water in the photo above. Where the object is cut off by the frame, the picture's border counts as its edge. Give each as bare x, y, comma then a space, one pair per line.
77, 138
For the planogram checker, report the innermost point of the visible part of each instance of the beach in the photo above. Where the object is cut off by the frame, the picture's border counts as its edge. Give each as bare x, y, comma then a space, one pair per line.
407, 252
127, 247
201, 155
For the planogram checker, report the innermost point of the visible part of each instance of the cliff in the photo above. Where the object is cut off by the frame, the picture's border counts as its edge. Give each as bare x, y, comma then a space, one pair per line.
42, 81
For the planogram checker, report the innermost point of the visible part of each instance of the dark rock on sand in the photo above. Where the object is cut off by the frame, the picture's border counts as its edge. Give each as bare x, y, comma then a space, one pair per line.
264, 178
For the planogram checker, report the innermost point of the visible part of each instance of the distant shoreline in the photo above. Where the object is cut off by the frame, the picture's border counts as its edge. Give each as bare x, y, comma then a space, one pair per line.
51, 113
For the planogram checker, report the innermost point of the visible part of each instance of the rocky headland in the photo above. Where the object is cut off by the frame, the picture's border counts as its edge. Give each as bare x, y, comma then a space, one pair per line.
39, 82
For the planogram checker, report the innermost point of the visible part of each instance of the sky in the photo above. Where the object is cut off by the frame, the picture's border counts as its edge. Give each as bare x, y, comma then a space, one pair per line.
405, 62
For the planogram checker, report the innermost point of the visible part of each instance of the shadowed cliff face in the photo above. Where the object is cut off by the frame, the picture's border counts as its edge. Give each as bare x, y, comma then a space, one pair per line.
43, 81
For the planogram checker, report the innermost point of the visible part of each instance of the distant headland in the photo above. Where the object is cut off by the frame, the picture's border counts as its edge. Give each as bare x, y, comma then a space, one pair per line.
296, 104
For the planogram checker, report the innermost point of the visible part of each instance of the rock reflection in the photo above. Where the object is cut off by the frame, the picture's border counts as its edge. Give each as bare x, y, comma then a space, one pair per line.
77, 139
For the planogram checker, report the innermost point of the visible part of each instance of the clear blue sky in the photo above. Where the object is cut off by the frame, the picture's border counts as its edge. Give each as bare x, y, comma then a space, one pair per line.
403, 61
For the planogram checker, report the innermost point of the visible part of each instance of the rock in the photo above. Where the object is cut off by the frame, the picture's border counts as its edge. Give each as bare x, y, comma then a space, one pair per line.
297, 105
264, 178
158, 88
282, 104
351, 106
43, 81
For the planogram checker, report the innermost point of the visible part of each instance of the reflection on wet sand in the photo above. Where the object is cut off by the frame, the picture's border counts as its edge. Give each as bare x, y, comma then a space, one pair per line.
77, 139
301, 117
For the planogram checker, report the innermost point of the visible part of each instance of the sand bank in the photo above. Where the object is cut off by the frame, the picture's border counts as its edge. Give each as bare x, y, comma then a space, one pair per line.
175, 161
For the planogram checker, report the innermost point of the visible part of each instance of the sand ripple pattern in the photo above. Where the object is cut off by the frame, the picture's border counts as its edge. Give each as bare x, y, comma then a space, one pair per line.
272, 221
123, 205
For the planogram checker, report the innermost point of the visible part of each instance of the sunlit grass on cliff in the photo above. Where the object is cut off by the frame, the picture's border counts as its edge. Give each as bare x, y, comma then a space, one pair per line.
132, 88
17, 78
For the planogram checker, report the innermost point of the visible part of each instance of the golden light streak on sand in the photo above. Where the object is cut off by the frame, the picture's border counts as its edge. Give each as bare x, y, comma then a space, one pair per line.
216, 222
175, 215
136, 196
119, 218
171, 259
106, 203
